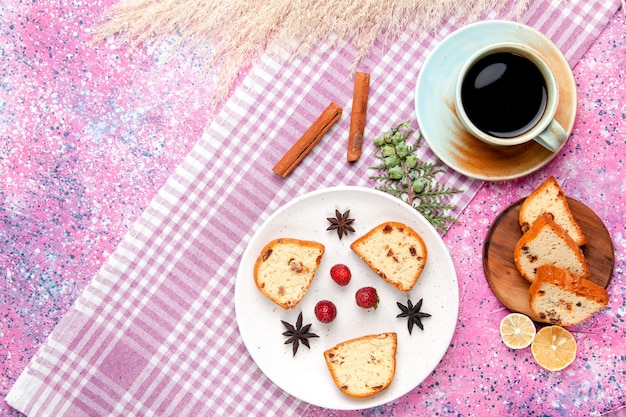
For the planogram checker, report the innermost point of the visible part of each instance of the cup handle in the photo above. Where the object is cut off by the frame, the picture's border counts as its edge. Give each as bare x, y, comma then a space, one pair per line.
552, 137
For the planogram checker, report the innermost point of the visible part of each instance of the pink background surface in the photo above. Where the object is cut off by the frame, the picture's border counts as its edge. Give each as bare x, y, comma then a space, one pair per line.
88, 135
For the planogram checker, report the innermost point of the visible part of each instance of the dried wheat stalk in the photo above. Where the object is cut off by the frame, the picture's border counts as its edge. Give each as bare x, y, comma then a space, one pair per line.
240, 31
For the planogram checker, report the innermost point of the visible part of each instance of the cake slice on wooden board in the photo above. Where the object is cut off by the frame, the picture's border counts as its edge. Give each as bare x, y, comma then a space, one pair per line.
364, 366
547, 243
285, 268
549, 198
559, 297
395, 252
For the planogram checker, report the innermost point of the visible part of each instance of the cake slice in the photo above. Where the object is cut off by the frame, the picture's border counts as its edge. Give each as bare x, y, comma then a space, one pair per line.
550, 199
547, 243
364, 366
558, 297
285, 268
395, 252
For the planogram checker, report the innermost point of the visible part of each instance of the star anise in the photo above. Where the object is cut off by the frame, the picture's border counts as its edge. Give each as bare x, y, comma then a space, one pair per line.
298, 334
341, 223
413, 313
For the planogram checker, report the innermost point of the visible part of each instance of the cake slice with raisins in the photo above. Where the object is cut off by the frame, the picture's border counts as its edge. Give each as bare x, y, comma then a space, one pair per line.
547, 243
395, 252
550, 199
364, 366
559, 297
285, 268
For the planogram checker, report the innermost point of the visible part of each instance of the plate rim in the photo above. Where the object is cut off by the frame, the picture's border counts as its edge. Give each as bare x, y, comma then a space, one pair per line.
570, 82
453, 311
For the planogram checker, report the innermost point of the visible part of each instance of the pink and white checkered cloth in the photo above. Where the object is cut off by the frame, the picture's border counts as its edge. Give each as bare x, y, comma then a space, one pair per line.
155, 332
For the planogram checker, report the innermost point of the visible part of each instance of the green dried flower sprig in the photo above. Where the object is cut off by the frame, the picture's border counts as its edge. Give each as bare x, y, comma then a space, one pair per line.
403, 175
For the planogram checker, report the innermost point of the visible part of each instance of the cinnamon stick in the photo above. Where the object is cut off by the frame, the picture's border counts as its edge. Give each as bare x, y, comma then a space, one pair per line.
359, 112
309, 139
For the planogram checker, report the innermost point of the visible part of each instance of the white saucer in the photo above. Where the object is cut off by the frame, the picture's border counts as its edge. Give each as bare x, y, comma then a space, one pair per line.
436, 115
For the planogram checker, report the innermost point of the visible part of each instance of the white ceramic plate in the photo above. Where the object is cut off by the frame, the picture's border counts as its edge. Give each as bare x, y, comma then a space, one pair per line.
436, 115
306, 376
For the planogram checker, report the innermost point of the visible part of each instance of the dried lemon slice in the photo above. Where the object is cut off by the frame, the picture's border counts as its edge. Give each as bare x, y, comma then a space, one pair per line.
517, 330
554, 348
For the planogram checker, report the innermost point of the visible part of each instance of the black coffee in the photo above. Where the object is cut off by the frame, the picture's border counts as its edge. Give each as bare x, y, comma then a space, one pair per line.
504, 94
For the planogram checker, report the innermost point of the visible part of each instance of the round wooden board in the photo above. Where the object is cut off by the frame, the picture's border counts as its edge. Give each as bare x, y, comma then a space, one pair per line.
507, 283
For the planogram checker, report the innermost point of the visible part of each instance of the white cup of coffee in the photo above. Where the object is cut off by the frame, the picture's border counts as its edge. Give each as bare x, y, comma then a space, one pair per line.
507, 94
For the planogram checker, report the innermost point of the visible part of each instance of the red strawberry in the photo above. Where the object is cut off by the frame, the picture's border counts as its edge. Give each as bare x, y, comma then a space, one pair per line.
325, 311
341, 274
367, 297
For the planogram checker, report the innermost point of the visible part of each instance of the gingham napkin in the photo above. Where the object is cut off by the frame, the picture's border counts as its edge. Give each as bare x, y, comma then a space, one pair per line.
155, 332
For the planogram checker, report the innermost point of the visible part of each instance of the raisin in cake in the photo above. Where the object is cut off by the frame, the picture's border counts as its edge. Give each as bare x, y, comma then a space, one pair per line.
547, 243
285, 268
549, 198
364, 366
396, 252
565, 299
